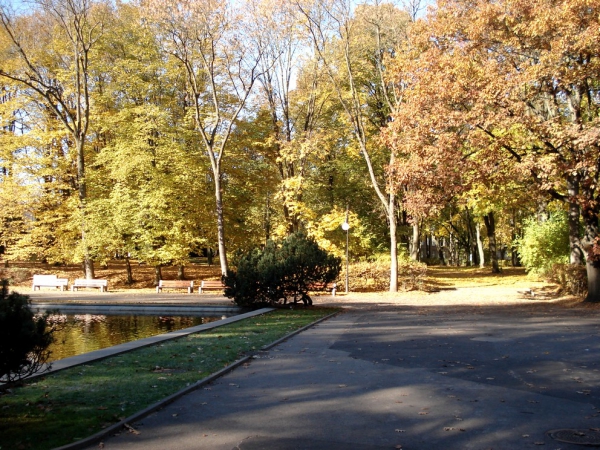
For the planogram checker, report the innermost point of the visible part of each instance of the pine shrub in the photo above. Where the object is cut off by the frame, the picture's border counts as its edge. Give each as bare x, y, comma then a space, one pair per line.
279, 273
24, 337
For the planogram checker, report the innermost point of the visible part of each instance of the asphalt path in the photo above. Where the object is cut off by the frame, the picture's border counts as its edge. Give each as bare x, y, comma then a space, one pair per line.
400, 377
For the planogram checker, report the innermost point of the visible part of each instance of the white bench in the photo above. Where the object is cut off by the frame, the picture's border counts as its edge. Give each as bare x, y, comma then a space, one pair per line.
175, 284
41, 281
83, 283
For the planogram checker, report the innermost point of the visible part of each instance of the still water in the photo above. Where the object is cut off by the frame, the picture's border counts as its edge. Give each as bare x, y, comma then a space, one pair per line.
82, 333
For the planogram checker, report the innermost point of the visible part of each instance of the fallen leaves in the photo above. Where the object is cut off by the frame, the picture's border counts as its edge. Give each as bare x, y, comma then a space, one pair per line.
131, 429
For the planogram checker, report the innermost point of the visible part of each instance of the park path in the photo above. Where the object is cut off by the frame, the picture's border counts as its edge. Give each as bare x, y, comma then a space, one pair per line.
459, 374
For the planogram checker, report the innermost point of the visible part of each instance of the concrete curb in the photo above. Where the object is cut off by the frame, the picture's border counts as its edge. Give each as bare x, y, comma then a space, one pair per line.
116, 308
103, 353
85, 442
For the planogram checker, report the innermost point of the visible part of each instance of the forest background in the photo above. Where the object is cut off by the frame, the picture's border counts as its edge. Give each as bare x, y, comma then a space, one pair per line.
153, 130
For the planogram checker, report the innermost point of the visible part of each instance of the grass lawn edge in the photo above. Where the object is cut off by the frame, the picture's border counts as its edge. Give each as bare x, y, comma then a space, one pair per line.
85, 442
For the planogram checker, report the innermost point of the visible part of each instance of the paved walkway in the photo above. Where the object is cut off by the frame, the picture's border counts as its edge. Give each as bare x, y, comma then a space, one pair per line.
460, 377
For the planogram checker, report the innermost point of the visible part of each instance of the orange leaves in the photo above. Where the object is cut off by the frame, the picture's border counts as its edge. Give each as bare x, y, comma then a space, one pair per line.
510, 84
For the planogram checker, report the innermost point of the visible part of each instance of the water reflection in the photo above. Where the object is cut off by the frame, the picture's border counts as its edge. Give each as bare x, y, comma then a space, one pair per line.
82, 333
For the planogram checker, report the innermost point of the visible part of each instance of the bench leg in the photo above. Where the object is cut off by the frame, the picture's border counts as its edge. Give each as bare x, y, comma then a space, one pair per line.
158, 289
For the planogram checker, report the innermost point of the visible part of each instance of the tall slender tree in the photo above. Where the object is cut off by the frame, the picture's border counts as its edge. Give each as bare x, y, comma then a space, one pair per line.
217, 47
352, 48
49, 53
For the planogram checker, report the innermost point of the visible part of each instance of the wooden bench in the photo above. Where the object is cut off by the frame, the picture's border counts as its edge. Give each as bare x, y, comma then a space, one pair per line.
41, 281
210, 284
320, 287
175, 284
83, 283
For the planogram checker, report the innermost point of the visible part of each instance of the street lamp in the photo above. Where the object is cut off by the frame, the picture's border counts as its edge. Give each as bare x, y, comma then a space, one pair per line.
346, 227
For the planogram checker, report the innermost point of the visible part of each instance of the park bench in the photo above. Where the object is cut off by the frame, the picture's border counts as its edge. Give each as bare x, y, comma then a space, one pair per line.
41, 281
83, 283
210, 284
322, 287
175, 284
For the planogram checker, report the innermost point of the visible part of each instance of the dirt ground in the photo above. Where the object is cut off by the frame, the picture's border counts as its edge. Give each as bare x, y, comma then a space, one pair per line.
457, 286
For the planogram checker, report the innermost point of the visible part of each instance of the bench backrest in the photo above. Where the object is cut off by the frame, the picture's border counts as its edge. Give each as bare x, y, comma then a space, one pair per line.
211, 283
49, 279
176, 283
44, 278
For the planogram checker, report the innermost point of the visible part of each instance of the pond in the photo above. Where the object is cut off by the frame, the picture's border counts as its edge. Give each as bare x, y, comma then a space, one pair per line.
76, 334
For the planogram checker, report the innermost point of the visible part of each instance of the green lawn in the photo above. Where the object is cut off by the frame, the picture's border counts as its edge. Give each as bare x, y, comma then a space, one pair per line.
60, 408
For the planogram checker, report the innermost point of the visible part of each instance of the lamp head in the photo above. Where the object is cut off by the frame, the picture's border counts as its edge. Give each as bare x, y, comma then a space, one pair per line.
345, 226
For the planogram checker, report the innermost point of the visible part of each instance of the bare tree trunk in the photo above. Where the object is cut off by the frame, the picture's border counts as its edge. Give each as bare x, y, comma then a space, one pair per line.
157, 274
393, 246
592, 267
490, 224
575, 252
220, 226
479, 245
181, 272
414, 248
129, 271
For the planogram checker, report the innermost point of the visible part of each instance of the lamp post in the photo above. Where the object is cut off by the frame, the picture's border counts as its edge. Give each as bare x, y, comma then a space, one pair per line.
346, 228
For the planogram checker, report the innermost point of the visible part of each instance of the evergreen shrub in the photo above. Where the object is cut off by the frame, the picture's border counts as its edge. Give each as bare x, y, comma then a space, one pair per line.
281, 272
24, 337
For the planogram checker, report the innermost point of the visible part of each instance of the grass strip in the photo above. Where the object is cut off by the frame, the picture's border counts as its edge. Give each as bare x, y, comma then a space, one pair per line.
74, 403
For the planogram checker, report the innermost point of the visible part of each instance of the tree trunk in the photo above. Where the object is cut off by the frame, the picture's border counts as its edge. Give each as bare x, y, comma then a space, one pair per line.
181, 272
490, 225
593, 281
393, 246
220, 224
129, 271
157, 274
592, 267
479, 245
575, 252
414, 248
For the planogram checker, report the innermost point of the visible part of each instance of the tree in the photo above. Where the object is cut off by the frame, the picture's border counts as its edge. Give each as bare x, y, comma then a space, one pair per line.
515, 81
24, 337
352, 50
60, 78
217, 48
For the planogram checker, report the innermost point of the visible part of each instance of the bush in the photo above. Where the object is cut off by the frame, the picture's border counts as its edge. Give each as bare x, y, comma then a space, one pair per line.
570, 277
374, 275
544, 244
24, 338
281, 272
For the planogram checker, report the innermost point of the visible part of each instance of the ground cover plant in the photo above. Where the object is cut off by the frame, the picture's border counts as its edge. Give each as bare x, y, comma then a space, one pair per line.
24, 337
60, 408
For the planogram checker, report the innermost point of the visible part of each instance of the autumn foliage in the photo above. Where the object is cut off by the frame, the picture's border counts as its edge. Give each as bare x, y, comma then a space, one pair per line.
497, 91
